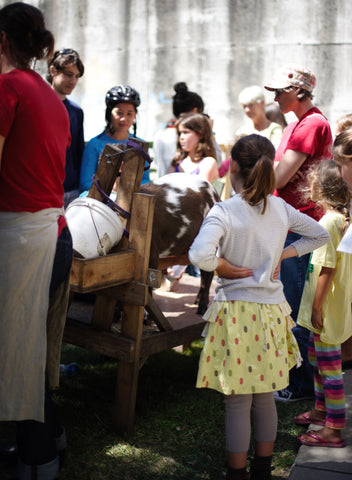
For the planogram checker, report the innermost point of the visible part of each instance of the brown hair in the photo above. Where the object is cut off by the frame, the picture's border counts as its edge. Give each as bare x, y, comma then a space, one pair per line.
199, 123
342, 147
328, 189
344, 122
255, 156
26, 35
62, 58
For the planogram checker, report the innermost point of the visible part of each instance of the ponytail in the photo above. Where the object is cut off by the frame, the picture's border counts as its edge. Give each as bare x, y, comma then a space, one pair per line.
260, 182
255, 155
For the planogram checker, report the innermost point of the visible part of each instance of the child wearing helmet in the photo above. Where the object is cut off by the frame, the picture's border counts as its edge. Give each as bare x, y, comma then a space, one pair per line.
120, 115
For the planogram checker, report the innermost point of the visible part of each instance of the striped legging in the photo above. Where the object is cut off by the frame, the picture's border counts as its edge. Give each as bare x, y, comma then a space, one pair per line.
328, 380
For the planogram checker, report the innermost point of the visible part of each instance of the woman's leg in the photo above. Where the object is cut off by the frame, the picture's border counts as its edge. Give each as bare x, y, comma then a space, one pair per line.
37, 446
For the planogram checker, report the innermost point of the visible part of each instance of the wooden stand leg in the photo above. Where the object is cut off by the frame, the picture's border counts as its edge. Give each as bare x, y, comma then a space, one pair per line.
127, 375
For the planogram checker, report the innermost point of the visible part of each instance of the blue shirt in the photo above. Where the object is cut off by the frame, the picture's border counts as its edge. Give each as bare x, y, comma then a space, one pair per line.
91, 156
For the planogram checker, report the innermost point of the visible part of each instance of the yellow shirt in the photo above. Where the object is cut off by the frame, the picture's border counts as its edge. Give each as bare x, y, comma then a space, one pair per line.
337, 317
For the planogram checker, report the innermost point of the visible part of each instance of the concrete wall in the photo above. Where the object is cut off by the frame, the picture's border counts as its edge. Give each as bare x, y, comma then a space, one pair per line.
217, 47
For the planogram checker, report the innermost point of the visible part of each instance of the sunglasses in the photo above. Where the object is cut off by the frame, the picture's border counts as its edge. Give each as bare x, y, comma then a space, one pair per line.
65, 51
279, 91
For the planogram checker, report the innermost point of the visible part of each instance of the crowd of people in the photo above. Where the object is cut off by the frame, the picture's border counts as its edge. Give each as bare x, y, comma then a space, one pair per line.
280, 314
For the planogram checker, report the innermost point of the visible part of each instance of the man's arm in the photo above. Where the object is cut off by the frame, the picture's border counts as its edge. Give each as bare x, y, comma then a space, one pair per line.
286, 168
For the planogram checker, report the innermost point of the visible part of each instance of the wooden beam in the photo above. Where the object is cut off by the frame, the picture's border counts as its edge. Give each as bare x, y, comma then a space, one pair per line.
105, 343
155, 343
159, 318
88, 275
132, 326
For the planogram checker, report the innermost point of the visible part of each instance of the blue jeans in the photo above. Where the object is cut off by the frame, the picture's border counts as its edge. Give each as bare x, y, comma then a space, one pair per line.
292, 275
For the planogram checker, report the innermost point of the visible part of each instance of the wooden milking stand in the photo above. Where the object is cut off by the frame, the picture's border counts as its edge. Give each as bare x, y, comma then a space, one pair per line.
123, 275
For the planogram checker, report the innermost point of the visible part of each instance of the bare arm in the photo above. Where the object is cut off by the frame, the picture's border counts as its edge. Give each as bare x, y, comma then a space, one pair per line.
286, 168
324, 282
209, 169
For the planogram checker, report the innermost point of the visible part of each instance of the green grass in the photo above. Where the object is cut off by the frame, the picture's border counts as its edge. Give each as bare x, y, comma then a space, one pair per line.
179, 430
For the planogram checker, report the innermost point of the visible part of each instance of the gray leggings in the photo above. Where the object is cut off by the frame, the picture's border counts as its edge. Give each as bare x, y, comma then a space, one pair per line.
238, 412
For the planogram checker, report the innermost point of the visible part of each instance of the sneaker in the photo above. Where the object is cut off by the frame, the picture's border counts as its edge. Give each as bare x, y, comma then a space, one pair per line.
286, 395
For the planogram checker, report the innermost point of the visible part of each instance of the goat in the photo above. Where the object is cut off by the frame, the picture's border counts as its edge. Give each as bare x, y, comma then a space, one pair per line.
181, 203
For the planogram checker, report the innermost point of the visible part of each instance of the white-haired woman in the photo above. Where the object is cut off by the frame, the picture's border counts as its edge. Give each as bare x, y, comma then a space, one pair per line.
252, 101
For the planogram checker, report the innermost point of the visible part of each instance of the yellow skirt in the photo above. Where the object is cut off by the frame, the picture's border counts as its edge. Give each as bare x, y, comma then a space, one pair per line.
249, 348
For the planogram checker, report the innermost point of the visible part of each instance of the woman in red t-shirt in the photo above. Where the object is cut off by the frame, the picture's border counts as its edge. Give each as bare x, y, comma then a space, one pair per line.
35, 243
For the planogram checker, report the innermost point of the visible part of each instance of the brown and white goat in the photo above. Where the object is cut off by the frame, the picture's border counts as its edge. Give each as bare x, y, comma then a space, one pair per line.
181, 204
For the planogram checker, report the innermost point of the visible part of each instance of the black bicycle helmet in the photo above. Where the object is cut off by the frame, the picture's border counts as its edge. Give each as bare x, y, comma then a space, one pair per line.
122, 94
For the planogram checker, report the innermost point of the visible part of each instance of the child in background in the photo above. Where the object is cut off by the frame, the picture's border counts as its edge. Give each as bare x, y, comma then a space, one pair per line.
249, 347
342, 123
326, 309
195, 149
195, 155
342, 152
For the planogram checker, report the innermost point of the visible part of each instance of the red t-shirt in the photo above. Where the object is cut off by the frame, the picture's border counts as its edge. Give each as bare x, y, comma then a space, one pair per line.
36, 128
311, 135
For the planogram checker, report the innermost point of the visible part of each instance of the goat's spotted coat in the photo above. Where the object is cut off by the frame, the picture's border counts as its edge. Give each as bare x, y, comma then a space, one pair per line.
181, 203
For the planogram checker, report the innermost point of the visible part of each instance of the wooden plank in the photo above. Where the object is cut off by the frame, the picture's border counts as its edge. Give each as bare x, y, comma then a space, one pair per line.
103, 313
159, 318
108, 167
132, 326
130, 183
141, 233
88, 275
127, 374
133, 292
105, 343
155, 343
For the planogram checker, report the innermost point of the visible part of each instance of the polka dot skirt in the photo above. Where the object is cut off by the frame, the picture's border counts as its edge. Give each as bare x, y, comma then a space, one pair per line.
249, 348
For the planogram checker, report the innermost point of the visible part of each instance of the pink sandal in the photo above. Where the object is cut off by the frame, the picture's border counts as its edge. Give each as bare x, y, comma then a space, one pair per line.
305, 419
320, 442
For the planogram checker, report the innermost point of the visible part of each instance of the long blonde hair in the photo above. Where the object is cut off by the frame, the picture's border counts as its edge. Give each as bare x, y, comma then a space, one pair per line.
327, 188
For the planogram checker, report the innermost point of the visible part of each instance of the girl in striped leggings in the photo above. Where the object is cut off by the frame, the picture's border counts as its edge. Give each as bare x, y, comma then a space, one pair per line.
326, 310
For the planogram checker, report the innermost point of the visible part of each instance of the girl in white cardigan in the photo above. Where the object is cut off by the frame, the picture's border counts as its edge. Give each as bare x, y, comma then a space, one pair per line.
249, 347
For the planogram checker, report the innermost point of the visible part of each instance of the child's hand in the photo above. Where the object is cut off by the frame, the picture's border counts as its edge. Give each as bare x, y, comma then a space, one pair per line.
277, 272
317, 319
225, 269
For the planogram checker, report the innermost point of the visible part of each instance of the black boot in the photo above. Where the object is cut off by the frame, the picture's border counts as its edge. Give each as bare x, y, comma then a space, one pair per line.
236, 474
261, 468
